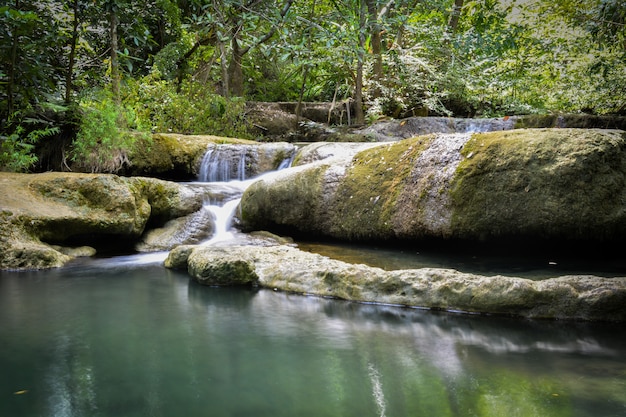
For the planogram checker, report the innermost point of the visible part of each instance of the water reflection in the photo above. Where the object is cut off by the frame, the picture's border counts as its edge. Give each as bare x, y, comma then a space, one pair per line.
531, 265
145, 341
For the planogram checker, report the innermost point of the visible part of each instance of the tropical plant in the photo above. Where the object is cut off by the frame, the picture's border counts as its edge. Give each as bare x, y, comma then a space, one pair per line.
103, 138
16, 149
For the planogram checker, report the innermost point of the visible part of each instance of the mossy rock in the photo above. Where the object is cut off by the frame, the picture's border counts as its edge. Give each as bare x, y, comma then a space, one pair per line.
170, 155
285, 201
542, 184
534, 184
365, 202
289, 269
221, 269
45, 216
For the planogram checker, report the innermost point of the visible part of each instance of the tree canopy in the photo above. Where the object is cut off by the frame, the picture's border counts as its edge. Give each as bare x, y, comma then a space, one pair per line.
157, 60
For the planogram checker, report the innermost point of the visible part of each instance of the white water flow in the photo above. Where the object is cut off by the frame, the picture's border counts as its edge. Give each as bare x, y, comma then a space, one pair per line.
224, 163
223, 214
227, 165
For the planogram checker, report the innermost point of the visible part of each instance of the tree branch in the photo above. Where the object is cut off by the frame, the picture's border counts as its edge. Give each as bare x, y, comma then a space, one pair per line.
271, 32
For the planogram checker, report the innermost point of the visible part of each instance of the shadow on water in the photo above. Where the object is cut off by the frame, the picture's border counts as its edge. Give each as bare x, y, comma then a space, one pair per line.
536, 263
112, 338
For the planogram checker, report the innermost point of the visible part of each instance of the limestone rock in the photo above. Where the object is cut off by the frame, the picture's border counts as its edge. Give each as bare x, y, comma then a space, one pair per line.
289, 269
65, 209
176, 156
529, 184
185, 230
324, 150
219, 268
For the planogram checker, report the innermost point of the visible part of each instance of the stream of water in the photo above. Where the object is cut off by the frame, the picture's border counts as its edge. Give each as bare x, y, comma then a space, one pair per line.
124, 336
114, 337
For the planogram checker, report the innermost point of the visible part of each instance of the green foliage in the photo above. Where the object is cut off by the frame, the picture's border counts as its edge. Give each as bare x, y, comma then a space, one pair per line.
177, 57
29, 51
165, 62
16, 149
196, 109
103, 139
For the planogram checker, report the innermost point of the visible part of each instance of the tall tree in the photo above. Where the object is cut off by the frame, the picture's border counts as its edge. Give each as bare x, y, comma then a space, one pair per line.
235, 28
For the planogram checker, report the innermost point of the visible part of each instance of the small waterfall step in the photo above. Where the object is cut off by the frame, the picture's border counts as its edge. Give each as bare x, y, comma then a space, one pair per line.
224, 163
231, 166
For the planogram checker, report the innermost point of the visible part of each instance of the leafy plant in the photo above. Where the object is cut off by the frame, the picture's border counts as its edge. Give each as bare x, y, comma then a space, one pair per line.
196, 109
16, 149
103, 139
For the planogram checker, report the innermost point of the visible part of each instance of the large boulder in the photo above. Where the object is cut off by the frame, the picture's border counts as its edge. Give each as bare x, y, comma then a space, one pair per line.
530, 185
42, 214
289, 269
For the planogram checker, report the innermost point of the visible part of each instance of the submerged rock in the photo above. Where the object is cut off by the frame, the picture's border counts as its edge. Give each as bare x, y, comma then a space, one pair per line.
289, 269
66, 210
531, 184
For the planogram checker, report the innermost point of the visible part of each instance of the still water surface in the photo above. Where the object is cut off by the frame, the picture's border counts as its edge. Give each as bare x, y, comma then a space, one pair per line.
115, 338
535, 265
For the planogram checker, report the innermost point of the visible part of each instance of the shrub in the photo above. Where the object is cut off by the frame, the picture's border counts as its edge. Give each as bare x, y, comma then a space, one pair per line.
195, 109
103, 139
17, 148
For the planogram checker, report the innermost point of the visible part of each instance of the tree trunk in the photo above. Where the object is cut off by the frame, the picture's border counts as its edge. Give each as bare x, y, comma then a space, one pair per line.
115, 66
455, 15
235, 70
358, 82
224, 67
376, 41
69, 75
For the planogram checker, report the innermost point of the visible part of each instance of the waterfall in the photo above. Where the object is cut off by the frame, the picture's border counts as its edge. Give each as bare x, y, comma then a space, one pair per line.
227, 164
223, 218
224, 163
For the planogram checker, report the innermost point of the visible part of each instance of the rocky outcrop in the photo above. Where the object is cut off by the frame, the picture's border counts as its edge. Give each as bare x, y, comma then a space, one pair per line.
42, 216
394, 130
529, 184
572, 121
289, 269
398, 129
179, 157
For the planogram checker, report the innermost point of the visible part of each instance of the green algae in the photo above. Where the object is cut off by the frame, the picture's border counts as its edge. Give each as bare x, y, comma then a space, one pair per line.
541, 183
365, 201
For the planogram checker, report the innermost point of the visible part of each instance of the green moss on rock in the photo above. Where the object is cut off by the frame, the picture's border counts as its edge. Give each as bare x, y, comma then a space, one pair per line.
366, 200
543, 183
167, 154
294, 198
67, 209
221, 269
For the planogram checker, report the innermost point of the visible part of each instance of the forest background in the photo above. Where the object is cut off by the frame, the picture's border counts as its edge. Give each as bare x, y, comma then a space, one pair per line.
87, 78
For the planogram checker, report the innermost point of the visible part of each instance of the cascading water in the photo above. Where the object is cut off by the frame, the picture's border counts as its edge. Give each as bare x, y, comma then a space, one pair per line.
226, 164
222, 219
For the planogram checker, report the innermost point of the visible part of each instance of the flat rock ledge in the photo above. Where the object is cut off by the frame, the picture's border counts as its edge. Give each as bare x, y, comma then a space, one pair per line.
286, 268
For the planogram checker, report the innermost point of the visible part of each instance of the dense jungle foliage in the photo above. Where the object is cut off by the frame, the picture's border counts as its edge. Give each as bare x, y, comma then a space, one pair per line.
86, 78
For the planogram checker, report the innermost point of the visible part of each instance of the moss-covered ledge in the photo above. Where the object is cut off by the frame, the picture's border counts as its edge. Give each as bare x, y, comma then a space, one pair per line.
178, 157
287, 268
531, 185
43, 216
